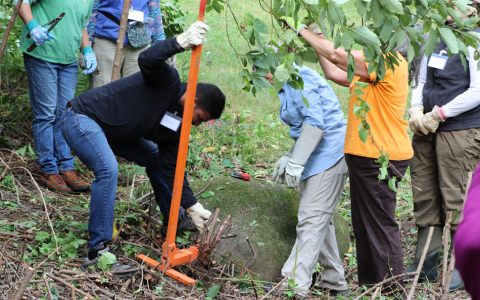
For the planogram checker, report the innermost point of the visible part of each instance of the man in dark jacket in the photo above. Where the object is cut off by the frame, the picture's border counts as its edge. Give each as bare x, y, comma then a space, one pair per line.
125, 118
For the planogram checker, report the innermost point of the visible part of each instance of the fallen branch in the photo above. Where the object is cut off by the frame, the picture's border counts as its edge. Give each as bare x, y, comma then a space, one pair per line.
253, 252
420, 265
445, 246
385, 281
120, 41
449, 276
48, 287
25, 282
88, 296
167, 281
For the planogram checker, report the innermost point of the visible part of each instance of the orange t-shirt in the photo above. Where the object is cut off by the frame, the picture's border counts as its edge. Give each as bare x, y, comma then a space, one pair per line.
388, 101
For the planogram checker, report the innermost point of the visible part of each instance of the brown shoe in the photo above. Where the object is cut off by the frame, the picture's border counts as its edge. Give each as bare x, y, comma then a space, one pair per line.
74, 181
54, 183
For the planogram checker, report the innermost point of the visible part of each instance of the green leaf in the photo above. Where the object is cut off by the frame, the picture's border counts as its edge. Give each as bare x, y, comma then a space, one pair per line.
423, 3
346, 40
362, 85
305, 100
410, 52
277, 85
392, 184
393, 5
106, 259
22, 151
79, 225
42, 236
337, 42
361, 7
432, 42
412, 33
200, 285
260, 26
334, 13
455, 16
386, 31
207, 194
363, 134
312, 2
364, 36
282, 73
400, 36
449, 38
260, 244
462, 48
299, 59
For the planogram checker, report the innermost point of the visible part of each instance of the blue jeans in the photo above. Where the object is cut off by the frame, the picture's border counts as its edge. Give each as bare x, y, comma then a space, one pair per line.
51, 86
97, 152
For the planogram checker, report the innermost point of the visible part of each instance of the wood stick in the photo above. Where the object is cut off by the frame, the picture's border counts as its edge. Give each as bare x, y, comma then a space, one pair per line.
73, 293
124, 288
120, 40
167, 281
446, 236
278, 284
88, 296
25, 282
449, 276
48, 287
383, 282
420, 265
9, 28
376, 292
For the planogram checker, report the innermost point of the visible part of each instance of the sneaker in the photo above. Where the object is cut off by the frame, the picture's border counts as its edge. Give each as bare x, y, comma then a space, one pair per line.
116, 266
54, 183
183, 225
74, 181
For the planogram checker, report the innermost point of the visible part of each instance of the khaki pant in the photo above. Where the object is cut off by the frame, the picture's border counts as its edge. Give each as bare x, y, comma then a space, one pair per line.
439, 167
105, 53
316, 240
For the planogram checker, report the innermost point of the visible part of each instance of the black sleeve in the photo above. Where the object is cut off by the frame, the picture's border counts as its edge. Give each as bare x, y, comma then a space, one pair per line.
153, 66
168, 160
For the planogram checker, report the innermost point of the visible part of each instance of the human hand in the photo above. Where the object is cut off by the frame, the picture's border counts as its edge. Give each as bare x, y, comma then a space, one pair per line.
38, 33
194, 36
90, 60
288, 22
432, 120
416, 115
293, 174
279, 172
199, 216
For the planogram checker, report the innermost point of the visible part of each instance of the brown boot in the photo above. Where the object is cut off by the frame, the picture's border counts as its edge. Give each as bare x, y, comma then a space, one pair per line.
54, 183
74, 181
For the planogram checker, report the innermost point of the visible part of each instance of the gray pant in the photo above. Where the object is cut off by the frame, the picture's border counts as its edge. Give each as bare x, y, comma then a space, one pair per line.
105, 53
316, 241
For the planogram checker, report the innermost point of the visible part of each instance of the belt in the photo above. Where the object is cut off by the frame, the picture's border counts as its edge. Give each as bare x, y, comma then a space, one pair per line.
69, 104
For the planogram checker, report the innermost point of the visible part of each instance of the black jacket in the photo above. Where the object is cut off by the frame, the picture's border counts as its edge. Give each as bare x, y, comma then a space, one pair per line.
132, 107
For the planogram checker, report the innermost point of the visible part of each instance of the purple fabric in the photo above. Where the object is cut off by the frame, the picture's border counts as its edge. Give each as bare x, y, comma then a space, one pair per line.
467, 240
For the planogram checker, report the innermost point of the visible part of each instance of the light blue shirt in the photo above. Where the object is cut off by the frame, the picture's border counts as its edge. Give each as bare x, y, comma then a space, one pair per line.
323, 113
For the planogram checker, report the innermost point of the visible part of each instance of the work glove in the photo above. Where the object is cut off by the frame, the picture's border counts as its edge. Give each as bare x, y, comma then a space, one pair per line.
307, 142
416, 125
432, 119
90, 60
38, 33
194, 36
199, 216
279, 172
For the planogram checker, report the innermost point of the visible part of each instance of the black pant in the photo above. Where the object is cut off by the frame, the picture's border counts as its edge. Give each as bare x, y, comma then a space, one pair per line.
379, 250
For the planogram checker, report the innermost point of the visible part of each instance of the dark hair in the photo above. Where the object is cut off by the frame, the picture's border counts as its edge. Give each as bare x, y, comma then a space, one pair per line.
211, 99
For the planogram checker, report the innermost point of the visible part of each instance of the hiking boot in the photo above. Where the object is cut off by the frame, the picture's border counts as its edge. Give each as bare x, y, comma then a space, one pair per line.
116, 266
54, 183
429, 270
183, 225
456, 282
74, 181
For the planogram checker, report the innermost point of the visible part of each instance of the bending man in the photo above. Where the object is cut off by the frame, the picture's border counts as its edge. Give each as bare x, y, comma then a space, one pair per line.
125, 118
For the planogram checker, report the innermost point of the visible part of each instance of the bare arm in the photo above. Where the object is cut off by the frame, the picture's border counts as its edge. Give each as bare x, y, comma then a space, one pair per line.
26, 13
85, 42
336, 58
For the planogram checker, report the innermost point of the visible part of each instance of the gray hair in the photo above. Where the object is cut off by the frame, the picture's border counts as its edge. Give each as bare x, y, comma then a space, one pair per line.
414, 68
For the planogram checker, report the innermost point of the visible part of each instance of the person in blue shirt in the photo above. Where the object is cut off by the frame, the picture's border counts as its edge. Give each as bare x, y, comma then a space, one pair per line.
316, 163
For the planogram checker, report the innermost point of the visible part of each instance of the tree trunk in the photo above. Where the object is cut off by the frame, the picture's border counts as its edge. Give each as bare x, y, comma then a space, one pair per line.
9, 28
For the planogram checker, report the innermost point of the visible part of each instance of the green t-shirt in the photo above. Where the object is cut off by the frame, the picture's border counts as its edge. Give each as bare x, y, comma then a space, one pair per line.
64, 47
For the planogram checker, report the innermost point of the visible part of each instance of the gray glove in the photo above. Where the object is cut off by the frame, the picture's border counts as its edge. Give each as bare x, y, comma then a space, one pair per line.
279, 172
194, 36
307, 142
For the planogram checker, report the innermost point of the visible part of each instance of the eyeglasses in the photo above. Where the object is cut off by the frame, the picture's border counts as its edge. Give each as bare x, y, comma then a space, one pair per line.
52, 24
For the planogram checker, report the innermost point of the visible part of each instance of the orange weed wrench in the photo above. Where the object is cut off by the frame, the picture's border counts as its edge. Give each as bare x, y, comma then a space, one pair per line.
171, 254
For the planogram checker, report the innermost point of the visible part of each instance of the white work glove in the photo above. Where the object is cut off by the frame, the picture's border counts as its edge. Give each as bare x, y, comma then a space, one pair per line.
307, 142
416, 115
194, 36
199, 216
279, 172
432, 119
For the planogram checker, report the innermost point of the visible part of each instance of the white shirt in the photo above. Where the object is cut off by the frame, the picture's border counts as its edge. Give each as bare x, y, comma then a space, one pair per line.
463, 102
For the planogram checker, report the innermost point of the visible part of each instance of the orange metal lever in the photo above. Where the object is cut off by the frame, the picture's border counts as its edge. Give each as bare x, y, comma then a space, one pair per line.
171, 255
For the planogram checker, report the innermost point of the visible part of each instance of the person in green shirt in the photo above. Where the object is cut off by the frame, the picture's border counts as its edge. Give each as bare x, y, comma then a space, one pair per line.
52, 72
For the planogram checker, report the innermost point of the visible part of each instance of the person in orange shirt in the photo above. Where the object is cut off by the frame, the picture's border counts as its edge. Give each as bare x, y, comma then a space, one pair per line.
379, 250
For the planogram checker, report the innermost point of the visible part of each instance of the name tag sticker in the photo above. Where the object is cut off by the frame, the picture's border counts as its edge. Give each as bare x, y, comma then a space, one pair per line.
171, 121
437, 61
135, 15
